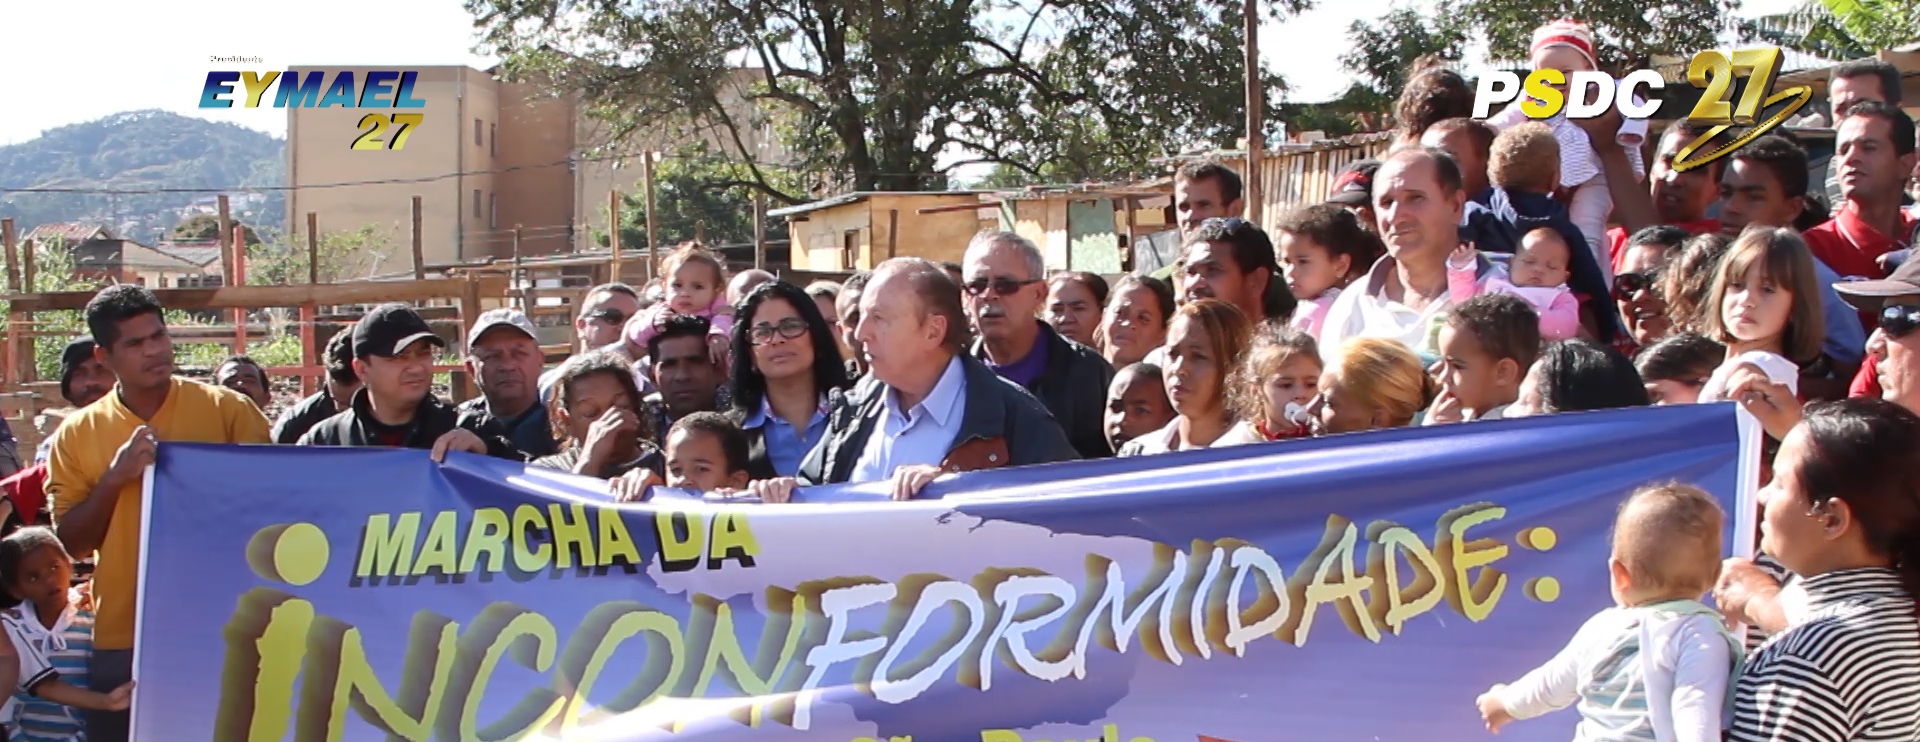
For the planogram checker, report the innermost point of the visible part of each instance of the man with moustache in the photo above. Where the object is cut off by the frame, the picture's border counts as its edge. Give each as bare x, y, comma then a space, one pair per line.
1004, 292
504, 356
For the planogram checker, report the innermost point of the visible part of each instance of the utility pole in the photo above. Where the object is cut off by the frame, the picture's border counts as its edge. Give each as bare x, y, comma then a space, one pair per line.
1256, 100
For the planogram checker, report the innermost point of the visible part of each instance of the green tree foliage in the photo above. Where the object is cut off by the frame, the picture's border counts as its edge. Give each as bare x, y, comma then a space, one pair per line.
1839, 29
873, 91
1627, 33
140, 150
1381, 53
338, 255
698, 193
206, 228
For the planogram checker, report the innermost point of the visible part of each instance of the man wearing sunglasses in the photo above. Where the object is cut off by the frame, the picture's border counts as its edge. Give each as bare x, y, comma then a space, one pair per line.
1004, 291
603, 312
1891, 370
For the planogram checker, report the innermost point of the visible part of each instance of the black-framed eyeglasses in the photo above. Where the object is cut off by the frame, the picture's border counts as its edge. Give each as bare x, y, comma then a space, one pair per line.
790, 328
1001, 286
1626, 285
1899, 320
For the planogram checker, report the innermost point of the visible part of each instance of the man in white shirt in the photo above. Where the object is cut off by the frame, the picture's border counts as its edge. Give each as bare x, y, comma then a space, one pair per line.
1418, 198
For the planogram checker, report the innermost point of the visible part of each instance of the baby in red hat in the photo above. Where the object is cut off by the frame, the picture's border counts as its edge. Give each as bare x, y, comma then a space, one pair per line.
1567, 45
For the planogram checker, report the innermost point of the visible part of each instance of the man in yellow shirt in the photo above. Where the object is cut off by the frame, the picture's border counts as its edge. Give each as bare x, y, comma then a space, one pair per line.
100, 456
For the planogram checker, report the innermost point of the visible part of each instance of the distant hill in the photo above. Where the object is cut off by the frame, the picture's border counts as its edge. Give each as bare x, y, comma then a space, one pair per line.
140, 150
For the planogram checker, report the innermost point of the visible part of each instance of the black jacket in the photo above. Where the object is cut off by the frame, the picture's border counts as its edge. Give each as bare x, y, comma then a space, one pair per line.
995, 411
356, 427
1074, 389
301, 417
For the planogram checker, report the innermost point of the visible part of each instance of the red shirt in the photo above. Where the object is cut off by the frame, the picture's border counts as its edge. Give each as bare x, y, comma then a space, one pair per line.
1850, 246
1617, 238
28, 491
1866, 382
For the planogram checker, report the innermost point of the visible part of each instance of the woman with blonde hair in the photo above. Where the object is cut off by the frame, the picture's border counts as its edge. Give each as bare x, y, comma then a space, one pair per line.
1372, 383
1205, 342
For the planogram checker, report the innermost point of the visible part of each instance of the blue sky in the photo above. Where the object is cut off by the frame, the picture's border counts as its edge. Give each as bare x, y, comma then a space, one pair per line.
56, 72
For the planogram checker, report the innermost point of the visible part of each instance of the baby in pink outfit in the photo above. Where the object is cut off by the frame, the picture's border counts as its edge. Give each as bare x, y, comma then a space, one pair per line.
696, 285
1538, 275
1567, 45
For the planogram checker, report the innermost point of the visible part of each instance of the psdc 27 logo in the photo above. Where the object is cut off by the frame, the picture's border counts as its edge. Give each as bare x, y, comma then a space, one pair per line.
1589, 94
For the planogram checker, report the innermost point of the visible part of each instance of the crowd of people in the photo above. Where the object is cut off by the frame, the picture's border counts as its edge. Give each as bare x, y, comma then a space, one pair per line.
1468, 274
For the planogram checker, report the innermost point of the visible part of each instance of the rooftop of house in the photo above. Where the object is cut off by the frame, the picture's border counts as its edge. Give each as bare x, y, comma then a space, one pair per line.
197, 253
69, 232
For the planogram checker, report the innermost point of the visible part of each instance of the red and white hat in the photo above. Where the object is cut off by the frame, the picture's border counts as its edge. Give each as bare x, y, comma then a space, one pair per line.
1566, 32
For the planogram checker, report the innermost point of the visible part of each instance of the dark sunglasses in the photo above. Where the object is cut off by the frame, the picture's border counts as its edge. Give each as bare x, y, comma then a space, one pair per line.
1001, 286
612, 316
1626, 285
789, 328
1899, 320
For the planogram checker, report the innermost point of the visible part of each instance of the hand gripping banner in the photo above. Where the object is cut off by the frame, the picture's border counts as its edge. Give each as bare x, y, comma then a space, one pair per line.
1361, 587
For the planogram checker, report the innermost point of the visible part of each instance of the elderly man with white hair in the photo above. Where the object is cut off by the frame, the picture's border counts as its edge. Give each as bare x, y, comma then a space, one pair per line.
1004, 290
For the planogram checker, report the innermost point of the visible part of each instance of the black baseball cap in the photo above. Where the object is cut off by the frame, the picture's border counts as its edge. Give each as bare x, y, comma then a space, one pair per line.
1354, 186
389, 329
1868, 295
78, 350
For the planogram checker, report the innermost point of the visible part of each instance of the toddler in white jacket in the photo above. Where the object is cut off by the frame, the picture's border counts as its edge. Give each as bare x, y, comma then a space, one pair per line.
1657, 666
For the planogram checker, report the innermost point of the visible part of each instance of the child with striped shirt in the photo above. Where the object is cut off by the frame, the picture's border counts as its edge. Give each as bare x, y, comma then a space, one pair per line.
52, 632
1656, 667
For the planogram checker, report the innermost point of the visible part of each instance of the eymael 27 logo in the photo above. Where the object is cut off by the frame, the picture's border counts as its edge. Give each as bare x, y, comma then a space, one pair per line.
1589, 94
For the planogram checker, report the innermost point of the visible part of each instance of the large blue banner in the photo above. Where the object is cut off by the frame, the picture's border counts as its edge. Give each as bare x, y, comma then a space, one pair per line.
1362, 587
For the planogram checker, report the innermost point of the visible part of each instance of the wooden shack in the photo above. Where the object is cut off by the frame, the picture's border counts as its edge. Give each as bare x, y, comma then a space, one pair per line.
858, 231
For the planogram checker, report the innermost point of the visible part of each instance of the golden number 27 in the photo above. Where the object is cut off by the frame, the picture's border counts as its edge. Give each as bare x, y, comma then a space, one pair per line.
374, 123
1714, 73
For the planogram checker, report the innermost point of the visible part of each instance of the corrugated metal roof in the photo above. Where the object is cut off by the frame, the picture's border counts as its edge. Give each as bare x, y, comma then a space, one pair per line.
857, 197
197, 253
72, 233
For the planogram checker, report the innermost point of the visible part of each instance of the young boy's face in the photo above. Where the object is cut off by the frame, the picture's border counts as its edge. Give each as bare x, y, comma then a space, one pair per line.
1473, 376
1750, 193
696, 461
1136, 406
1542, 260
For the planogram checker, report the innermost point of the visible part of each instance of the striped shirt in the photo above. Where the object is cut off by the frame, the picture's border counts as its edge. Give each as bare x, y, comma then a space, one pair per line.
1850, 671
34, 668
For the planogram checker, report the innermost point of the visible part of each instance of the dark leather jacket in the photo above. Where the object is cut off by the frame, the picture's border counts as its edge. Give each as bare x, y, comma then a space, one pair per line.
1074, 389
357, 427
1001, 425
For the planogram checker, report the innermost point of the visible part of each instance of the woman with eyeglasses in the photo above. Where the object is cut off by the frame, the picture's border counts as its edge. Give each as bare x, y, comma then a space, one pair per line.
787, 373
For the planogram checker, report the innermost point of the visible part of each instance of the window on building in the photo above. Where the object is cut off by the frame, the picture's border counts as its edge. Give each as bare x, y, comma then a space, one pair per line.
493, 141
476, 203
476, 134
493, 211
